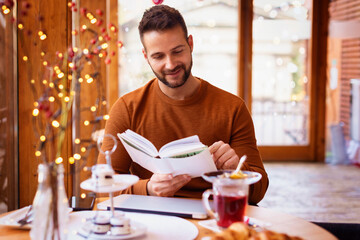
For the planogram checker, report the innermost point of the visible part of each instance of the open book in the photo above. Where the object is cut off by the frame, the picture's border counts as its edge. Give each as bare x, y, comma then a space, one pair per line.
183, 156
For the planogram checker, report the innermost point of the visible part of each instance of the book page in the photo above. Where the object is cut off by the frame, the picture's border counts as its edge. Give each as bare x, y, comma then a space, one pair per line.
195, 165
183, 149
139, 142
187, 140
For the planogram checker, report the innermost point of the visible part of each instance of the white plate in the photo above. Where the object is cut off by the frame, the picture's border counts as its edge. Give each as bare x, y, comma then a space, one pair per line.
252, 177
11, 219
159, 227
121, 182
84, 217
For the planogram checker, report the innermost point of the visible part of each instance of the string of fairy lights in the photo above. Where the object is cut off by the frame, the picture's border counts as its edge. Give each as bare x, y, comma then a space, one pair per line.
61, 81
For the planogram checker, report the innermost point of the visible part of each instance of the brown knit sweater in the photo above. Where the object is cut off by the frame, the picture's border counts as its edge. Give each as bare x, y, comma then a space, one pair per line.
210, 113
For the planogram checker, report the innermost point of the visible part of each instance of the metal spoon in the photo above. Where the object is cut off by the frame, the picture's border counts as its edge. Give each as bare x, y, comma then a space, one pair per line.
242, 160
25, 220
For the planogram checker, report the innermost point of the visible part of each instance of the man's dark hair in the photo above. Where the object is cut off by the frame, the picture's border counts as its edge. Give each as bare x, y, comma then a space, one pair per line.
160, 18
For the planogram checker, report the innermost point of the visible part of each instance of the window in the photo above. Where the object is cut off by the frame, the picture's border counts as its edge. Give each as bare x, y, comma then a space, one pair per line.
213, 24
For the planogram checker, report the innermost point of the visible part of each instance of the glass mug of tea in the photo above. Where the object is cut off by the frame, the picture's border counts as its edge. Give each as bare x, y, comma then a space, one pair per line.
230, 201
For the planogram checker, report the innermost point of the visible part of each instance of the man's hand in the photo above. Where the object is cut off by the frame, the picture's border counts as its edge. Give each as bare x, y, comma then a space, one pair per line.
165, 185
223, 155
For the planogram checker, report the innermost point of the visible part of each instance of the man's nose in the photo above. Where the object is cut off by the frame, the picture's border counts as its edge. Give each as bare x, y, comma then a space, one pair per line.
170, 63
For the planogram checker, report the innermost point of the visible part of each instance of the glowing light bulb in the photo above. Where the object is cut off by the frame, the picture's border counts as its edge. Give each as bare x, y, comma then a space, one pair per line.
104, 45
86, 123
66, 99
93, 21
61, 86
42, 138
106, 117
51, 99
60, 75
43, 37
59, 160
93, 109
38, 153
83, 195
20, 26
60, 95
25, 58
71, 160
83, 149
6, 11
77, 156
80, 80
32, 81
44, 81
86, 51
45, 63
51, 85
36, 104
77, 140
55, 124
35, 112
90, 80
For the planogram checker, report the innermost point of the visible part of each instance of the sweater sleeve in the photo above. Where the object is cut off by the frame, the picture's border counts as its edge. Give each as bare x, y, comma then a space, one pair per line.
243, 141
118, 122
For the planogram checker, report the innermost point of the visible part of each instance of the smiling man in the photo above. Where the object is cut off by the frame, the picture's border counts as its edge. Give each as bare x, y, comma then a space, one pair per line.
175, 105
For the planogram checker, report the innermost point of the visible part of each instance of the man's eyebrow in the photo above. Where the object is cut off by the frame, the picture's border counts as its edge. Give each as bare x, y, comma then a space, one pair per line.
180, 46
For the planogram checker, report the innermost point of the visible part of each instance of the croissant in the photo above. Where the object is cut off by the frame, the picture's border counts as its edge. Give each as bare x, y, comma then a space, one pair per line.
240, 231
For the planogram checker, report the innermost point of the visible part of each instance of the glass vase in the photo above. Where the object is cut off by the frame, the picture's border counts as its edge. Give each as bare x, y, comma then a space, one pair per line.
50, 205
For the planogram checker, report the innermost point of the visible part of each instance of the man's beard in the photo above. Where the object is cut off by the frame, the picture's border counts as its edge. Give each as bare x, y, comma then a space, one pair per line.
162, 76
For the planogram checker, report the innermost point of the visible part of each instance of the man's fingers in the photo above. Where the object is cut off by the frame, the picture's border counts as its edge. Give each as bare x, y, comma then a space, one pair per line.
213, 148
231, 163
165, 185
179, 181
220, 152
159, 177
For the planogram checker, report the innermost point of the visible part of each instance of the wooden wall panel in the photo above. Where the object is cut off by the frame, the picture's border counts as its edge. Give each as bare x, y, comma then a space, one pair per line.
52, 17
8, 116
55, 19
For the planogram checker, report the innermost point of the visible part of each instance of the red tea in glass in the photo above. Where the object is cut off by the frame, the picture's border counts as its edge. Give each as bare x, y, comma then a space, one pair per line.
229, 209
230, 200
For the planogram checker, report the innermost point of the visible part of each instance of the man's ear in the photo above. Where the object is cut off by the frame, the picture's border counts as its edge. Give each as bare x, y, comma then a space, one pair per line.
144, 53
190, 42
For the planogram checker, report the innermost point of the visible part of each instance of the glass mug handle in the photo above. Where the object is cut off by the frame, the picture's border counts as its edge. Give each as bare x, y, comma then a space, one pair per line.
205, 201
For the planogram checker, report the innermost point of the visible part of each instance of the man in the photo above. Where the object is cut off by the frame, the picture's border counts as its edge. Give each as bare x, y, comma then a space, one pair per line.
175, 105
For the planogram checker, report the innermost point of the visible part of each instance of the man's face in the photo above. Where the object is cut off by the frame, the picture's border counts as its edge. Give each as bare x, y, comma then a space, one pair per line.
169, 55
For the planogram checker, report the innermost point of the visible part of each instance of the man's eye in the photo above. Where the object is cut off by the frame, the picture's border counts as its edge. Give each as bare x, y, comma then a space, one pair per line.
157, 57
178, 51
